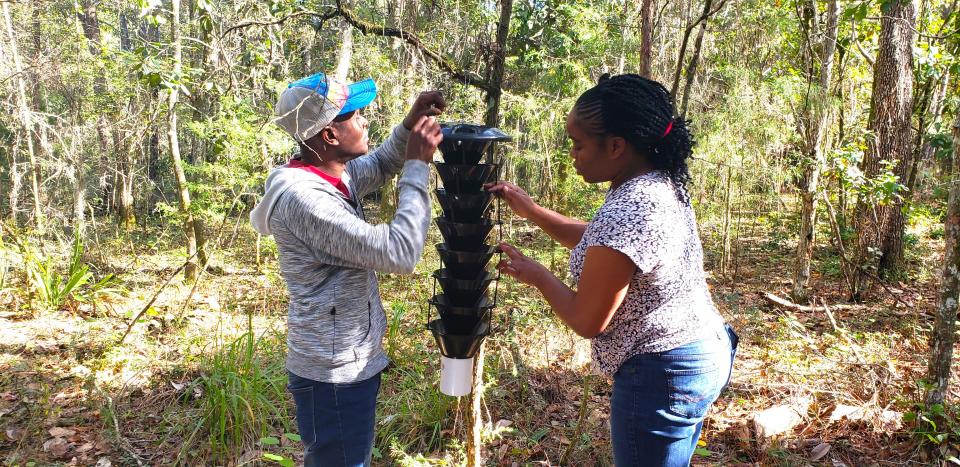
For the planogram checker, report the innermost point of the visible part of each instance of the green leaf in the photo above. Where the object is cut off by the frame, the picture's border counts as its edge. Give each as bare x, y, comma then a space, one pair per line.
269, 441
293, 437
272, 457
286, 462
703, 452
539, 434
377, 454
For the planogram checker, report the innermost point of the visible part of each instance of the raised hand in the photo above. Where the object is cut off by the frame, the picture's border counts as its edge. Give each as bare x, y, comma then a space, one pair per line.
428, 104
518, 200
521, 267
425, 136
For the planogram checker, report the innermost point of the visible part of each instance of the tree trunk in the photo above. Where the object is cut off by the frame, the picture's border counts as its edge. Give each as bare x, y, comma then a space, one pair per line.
692, 67
346, 54
15, 182
126, 216
646, 37
816, 108
26, 119
879, 231
930, 114
189, 225
727, 215
683, 50
90, 27
941, 358
495, 82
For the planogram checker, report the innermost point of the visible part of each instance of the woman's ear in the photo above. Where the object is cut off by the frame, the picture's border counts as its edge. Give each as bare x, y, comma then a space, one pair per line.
616, 147
329, 137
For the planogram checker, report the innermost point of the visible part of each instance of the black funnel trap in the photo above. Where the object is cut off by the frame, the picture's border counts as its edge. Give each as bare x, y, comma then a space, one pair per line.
463, 292
447, 308
465, 264
461, 179
464, 236
466, 144
464, 208
464, 324
458, 345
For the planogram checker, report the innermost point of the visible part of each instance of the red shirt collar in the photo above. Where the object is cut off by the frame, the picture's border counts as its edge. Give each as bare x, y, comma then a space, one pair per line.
335, 181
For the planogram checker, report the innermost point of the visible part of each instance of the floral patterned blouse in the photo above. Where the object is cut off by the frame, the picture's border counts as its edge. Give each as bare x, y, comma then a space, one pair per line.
668, 303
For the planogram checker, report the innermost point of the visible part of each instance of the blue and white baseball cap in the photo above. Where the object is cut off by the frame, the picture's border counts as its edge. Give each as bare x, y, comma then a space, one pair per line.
310, 104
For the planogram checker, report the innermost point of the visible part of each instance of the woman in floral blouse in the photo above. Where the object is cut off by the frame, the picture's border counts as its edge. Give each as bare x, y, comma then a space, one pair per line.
641, 294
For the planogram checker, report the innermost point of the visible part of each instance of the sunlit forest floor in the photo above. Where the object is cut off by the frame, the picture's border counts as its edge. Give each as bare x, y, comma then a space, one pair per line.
200, 378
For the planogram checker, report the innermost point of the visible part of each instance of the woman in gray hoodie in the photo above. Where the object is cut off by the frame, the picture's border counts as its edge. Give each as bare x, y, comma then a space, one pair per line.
329, 253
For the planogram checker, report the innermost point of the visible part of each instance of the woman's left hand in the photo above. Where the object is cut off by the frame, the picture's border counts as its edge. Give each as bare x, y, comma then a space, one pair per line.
521, 267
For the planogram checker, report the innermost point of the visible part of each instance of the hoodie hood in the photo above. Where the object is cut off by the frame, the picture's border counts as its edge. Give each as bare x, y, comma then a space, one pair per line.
278, 182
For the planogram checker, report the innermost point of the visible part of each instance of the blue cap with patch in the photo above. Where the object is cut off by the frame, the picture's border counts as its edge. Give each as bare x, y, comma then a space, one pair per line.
310, 104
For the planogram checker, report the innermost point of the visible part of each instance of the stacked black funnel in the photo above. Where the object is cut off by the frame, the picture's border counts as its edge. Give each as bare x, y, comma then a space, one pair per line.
464, 306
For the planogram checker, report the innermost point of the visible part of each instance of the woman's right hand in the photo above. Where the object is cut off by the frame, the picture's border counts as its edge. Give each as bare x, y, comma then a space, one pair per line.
425, 136
518, 200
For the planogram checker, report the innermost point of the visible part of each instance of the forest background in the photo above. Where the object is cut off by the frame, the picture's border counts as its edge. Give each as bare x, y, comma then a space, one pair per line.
142, 320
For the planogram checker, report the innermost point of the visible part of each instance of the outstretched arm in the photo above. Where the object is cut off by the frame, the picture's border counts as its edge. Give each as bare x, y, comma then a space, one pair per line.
603, 285
561, 228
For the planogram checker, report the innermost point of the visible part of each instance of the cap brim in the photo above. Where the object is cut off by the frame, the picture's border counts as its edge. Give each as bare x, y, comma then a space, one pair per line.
362, 93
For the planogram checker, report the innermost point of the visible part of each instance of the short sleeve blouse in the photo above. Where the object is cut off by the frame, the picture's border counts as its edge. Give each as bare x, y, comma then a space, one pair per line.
668, 303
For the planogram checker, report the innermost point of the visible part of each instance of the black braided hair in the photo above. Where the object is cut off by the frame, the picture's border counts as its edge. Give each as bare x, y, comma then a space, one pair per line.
639, 110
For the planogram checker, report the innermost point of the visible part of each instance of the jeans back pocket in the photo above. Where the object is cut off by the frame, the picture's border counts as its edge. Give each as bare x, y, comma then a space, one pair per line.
693, 386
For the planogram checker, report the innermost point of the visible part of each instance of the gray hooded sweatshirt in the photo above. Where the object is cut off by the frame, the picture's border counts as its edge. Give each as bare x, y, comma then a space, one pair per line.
329, 255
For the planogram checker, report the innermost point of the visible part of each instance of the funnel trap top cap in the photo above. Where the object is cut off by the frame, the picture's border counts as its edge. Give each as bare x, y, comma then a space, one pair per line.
471, 132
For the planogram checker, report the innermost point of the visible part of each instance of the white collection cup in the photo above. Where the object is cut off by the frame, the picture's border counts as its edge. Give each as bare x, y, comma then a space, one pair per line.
456, 376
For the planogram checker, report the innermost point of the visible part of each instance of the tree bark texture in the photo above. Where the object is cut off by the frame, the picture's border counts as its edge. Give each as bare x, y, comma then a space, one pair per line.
880, 228
495, 80
646, 37
346, 54
816, 115
941, 358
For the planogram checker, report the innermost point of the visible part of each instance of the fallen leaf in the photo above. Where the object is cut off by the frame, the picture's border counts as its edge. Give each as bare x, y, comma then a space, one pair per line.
58, 447
8, 396
502, 451
14, 433
564, 440
818, 452
58, 432
502, 423
103, 462
85, 447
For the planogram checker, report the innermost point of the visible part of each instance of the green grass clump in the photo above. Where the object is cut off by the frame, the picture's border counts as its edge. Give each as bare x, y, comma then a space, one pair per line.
241, 393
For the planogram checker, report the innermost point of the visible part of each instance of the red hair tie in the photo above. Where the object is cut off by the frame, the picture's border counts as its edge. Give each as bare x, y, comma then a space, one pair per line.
667, 131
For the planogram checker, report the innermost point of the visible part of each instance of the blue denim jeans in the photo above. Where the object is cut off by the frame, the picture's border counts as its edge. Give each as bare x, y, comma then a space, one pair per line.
660, 400
336, 421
